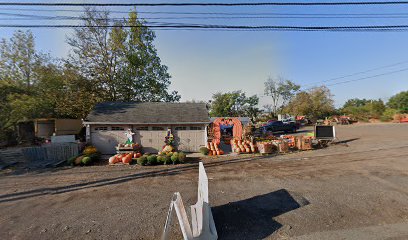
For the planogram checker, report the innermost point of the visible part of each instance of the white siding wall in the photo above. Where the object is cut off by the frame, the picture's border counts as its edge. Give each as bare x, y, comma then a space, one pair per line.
152, 140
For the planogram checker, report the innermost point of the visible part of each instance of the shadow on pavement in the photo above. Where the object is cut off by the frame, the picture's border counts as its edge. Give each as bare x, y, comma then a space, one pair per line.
118, 180
253, 218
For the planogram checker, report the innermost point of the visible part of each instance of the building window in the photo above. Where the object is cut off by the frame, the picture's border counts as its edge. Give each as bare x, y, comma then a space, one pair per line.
101, 128
144, 128
196, 128
118, 129
158, 128
180, 128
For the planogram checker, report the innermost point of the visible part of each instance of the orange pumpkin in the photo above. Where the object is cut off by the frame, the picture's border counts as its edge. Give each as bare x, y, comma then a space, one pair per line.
127, 158
209, 153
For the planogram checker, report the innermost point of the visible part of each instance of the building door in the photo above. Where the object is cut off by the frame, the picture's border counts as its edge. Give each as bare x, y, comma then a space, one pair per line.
151, 141
106, 138
190, 140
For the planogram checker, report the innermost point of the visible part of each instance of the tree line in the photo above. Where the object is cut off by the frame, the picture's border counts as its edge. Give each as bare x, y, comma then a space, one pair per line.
314, 103
121, 63
104, 64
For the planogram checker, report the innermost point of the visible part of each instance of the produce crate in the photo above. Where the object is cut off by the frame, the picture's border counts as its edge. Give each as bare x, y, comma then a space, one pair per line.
283, 146
304, 143
265, 147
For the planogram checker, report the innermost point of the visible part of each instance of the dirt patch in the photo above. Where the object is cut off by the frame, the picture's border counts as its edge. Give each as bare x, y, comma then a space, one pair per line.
345, 191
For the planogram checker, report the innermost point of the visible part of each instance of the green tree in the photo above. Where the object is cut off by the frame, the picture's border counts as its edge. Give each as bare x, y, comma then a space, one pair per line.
315, 103
281, 91
34, 86
78, 95
18, 59
355, 102
234, 104
399, 102
388, 114
363, 109
122, 61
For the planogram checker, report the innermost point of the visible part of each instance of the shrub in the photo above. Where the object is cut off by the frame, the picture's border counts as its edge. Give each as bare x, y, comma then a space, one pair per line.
166, 160
174, 159
160, 159
388, 114
86, 160
71, 161
95, 156
152, 160
142, 160
204, 151
169, 154
182, 157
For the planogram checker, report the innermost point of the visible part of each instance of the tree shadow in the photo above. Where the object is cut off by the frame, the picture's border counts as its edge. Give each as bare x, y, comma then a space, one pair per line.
346, 141
253, 218
177, 169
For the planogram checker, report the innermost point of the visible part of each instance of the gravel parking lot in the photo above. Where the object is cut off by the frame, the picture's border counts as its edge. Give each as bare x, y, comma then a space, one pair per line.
356, 189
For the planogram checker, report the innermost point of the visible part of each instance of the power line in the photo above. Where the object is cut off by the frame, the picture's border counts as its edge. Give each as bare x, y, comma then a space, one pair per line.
204, 26
278, 16
210, 13
181, 25
363, 78
358, 73
34, 17
206, 4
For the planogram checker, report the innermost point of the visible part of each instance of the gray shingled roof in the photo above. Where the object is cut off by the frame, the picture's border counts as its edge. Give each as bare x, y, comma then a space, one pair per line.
149, 112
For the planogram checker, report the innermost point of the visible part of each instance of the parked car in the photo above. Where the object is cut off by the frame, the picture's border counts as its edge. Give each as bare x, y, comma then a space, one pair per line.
279, 126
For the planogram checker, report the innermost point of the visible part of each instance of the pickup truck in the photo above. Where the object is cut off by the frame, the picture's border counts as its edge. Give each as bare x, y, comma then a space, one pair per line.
279, 126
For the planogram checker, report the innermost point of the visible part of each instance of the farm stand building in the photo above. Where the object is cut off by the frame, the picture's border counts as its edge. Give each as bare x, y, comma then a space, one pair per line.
107, 123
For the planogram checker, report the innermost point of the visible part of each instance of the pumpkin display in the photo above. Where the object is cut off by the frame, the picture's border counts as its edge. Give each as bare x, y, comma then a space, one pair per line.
246, 146
112, 160
127, 158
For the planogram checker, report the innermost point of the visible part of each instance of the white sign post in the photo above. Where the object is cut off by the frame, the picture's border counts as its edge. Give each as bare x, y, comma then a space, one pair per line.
203, 226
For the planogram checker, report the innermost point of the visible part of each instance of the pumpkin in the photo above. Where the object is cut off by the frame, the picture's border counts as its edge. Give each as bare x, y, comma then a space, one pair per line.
78, 160
221, 152
210, 153
127, 158
112, 160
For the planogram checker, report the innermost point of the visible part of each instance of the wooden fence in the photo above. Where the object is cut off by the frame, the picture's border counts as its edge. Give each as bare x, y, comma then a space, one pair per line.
52, 153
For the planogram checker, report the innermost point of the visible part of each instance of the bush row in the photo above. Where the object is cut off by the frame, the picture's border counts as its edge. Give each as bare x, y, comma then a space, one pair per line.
161, 159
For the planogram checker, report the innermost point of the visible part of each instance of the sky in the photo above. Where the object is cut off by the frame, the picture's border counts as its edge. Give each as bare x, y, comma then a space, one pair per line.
205, 62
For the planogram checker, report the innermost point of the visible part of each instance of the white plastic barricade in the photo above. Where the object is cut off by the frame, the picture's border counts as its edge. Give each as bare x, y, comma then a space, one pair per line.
203, 226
